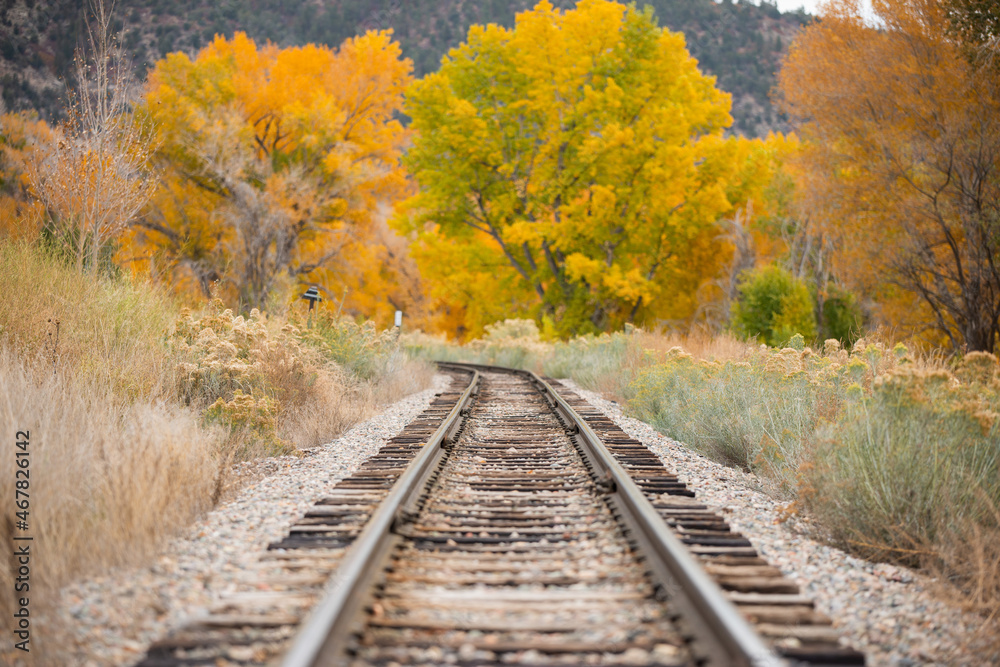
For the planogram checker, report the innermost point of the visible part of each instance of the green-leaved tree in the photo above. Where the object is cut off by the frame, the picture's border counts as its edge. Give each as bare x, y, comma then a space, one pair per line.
573, 170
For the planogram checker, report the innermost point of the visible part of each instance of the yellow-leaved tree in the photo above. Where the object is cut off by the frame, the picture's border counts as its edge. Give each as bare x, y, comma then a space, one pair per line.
573, 169
276, 165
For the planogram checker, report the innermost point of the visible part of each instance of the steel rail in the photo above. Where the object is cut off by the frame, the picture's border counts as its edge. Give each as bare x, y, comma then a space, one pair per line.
331, 621
720, 635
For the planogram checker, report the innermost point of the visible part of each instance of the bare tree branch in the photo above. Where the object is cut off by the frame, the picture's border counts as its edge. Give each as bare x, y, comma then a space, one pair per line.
94, 178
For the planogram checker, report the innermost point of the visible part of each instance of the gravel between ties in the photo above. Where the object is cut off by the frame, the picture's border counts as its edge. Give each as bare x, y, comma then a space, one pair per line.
111, 619
886, 611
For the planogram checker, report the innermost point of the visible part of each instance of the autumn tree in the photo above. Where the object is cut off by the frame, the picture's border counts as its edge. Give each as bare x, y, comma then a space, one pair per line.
572, 168
903, 150
276, 164
92, 176
20, 213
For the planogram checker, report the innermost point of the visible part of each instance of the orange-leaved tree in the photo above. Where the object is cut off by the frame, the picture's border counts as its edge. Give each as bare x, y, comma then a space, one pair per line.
902, 133
276, 164
573, 169
21, 214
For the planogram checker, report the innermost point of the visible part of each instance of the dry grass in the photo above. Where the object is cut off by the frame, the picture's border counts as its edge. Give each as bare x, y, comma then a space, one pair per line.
110, 332
109, 481
339, 401
967, 567
643, 349
117, 466
700, 345
126, 448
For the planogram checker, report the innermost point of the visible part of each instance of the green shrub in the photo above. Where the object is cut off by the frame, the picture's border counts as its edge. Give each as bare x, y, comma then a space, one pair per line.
756, 414
842, 317
908, 462
894, 458
773, 306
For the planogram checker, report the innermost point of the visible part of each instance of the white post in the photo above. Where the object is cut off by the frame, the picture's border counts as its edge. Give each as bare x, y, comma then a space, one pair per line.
399, 318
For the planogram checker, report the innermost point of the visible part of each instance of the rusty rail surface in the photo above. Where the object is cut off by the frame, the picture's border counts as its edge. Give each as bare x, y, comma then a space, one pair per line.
256, 624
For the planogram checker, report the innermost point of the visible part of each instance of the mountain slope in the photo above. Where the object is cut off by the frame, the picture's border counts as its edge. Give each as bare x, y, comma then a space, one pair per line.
740, 43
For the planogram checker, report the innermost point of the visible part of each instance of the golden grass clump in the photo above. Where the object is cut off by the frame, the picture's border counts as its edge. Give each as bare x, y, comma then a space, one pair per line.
102, 473
107, 332
242, 373
281, 386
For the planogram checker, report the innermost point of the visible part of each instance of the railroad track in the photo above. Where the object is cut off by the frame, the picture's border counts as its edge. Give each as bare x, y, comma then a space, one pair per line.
510, 524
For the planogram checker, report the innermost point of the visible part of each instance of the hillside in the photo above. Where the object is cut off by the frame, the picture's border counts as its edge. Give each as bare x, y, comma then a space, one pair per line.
740, 43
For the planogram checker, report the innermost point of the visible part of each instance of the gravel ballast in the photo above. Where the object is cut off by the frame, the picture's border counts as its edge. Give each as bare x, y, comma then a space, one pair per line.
888, 612
110, 620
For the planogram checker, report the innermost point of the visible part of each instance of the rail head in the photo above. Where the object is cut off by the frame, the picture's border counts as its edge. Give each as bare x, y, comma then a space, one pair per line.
699, 596
330, 621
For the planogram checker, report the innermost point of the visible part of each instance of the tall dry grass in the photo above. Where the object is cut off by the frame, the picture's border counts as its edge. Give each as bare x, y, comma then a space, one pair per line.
339, 401
364, 370
110, 332
136, 411
107, 479
610, 363
117, 465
